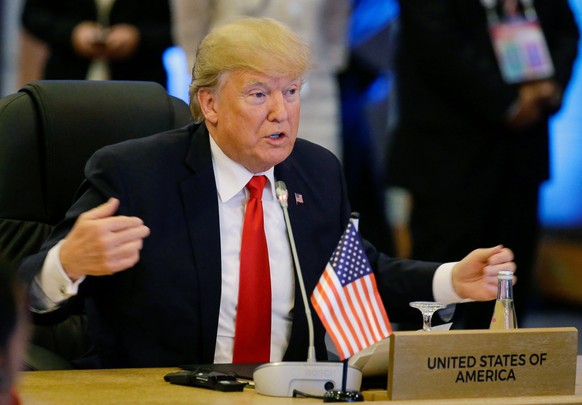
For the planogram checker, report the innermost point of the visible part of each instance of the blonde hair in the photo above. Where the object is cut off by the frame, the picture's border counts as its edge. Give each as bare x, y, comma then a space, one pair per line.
261, 45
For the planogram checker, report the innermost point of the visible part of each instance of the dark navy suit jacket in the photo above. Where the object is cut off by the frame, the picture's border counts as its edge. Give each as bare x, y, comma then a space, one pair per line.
164, 311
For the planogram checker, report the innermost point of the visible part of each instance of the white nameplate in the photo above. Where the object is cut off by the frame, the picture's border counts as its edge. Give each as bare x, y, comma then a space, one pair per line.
482, 363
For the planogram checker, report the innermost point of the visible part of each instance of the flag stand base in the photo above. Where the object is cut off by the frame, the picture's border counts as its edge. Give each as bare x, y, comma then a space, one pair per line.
343, 396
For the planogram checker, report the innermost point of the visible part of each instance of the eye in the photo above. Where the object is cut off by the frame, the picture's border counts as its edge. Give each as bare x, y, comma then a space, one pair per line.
256, 97
258, 94
291, 93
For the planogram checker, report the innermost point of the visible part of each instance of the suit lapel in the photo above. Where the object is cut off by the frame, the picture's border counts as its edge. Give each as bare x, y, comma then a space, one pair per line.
289, 172
201, 207
308, 197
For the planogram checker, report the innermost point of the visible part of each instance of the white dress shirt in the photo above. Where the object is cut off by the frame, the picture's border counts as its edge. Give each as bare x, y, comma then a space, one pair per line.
231, 179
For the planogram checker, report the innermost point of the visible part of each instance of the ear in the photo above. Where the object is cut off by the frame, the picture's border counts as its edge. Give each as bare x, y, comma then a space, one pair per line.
207, 101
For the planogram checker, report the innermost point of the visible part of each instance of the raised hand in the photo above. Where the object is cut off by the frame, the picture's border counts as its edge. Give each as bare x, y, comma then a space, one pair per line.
475, 276
101, 243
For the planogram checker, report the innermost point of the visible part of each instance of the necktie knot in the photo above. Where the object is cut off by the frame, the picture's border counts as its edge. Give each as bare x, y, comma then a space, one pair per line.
256, 185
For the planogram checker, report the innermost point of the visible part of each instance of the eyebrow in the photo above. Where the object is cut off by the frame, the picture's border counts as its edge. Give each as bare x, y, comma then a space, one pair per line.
257, 83
266, 84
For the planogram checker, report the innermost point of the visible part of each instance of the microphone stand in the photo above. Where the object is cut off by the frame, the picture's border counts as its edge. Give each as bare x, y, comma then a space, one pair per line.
283, 196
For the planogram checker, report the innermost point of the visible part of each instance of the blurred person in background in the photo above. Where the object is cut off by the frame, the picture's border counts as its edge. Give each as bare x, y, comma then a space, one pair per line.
102, 39
471, 148
365, 87
13, 337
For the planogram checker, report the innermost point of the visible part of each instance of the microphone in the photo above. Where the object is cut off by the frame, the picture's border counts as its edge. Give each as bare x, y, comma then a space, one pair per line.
283, 196
288, 379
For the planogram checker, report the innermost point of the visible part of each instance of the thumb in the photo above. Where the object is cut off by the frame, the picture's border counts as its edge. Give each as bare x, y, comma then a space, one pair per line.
104, 210
484, 254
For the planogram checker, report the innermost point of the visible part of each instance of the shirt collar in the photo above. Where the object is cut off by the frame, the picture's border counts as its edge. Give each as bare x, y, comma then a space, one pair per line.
232, 177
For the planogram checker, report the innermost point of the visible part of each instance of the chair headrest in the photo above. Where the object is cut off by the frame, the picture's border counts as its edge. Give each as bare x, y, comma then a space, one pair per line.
69, 120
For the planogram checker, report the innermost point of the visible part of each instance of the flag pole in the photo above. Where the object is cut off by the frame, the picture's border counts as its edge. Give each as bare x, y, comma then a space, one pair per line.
344, 395
346, 289
354, 219
345, 375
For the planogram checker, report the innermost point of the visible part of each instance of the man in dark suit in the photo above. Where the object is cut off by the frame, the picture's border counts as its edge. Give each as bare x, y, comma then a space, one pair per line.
471, 148
153, 242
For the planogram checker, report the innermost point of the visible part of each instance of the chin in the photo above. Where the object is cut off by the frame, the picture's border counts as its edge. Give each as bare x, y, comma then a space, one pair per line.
281, 156
270, 161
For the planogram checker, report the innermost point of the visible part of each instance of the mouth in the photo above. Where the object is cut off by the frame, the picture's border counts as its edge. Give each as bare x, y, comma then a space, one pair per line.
276, 137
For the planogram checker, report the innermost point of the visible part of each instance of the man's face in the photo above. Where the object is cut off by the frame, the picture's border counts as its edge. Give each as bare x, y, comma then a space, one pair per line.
254, 118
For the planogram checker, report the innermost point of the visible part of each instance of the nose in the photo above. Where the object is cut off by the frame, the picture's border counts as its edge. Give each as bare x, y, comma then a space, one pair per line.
277, 108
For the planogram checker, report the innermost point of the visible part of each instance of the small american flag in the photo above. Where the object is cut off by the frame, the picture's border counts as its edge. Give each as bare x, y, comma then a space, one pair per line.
346, 298
298, 198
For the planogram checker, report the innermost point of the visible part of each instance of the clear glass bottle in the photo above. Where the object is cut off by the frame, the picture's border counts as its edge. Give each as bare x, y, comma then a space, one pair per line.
504, 312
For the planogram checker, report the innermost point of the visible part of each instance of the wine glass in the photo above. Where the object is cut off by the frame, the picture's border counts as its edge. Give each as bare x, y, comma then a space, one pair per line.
428, 308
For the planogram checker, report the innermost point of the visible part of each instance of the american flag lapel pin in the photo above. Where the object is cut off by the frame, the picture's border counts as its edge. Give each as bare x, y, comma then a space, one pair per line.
298, 198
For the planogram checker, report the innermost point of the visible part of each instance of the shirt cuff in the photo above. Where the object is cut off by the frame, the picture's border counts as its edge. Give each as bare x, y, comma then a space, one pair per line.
53, 280
442, 286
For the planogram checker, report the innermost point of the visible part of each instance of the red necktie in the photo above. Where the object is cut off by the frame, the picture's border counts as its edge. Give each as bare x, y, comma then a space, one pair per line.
252, 336
14, 397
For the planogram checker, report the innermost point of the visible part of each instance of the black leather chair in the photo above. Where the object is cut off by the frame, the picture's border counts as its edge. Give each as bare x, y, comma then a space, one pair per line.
48, 130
